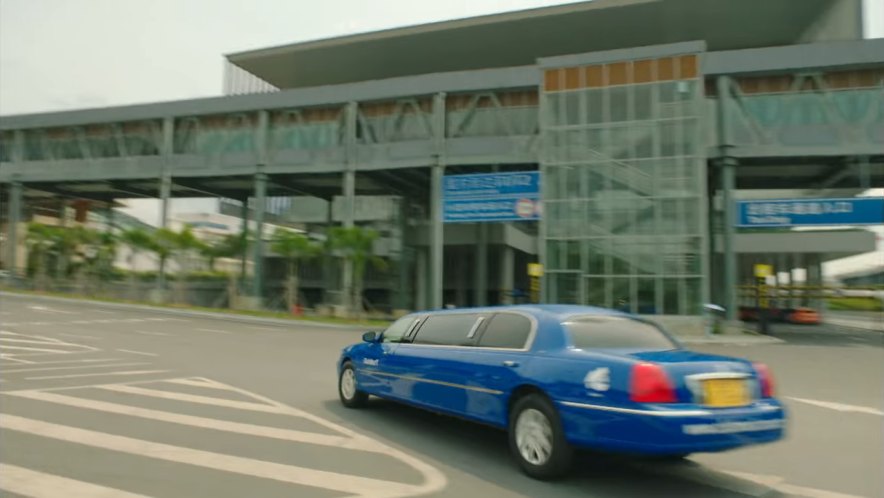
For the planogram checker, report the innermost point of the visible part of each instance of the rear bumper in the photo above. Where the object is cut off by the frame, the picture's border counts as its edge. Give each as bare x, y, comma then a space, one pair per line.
659, 430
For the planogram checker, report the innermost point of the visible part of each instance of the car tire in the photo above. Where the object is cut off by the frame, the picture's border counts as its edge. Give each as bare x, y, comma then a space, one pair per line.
537, 440
351, 397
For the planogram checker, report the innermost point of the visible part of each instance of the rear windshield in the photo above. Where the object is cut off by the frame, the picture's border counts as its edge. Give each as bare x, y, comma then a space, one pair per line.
616, 332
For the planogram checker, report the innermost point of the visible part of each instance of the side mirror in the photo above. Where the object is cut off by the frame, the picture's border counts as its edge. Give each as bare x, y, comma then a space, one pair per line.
371, 337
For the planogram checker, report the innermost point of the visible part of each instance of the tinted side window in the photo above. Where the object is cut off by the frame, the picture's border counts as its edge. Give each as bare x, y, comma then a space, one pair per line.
506, 330
448, 330
400, 327
615, 332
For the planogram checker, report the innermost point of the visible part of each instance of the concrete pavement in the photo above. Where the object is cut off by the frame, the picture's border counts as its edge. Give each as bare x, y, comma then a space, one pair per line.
98, 399
867, 320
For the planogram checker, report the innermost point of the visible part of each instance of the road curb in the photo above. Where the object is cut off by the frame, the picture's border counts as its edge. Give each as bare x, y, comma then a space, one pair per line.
748, 339
839, 323
184, 312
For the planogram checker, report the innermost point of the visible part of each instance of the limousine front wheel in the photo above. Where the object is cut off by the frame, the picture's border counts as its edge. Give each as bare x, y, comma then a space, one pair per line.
351, 397
536, 438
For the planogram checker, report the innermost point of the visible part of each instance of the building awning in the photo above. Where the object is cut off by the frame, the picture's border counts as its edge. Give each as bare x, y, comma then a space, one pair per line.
520, 38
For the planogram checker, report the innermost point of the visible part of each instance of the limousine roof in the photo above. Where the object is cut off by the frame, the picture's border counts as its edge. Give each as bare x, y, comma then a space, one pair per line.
560, 311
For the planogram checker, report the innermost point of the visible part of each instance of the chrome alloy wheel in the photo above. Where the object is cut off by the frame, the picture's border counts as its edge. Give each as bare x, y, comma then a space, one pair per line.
534, 436
348, 383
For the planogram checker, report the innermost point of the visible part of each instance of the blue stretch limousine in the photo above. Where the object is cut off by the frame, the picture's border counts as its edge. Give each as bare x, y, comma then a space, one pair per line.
560, 377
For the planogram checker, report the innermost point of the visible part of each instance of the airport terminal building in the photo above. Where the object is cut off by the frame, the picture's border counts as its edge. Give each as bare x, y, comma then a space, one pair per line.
621, 140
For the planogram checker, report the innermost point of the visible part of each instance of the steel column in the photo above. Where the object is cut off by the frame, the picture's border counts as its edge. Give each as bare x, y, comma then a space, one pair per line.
351, 114
728, 167
507, 274
728, 180
165, 194
12, 222
244, 233
437, 242
421, 283
480, 287
258, 254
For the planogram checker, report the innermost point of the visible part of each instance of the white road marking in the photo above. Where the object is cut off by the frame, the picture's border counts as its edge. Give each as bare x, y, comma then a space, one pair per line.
354, 485
6, 357
198, 382
73, 376
363, 444
776, 483
46, 309
73, 367
78, 336
215, 331
104, 312
132, 320
142, 353
147, 332
35, 484
28, 341
193, 398
62, 362
841, 407
42, 350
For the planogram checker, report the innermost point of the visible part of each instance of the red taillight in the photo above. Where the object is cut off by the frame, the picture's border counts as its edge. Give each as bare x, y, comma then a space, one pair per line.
650, 384
765, 380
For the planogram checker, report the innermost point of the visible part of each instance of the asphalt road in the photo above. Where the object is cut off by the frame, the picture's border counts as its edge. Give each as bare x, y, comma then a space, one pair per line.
137, 403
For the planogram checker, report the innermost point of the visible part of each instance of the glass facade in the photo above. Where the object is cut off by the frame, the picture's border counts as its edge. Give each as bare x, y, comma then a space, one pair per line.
625, 186
809, 119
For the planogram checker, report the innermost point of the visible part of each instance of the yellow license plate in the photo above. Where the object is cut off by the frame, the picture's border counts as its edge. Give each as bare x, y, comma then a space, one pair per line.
722, 393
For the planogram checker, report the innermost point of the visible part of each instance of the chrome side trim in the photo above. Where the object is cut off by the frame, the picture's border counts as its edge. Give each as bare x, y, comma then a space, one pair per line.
475, 327
633, 411
675, 413
438, 382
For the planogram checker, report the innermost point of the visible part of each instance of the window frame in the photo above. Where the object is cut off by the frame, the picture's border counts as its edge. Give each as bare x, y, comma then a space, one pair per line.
405, 337
476, 328
569, 336
529, 340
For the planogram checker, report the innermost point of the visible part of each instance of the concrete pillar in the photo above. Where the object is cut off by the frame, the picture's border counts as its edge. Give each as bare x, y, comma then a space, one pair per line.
349, 215
244, 232
815, 280
480, 285
437, 243
421, 280
461, 269
507, 274
436, 237
728, 167
728, 183
258, 254
13, 219
328, 263
165, 195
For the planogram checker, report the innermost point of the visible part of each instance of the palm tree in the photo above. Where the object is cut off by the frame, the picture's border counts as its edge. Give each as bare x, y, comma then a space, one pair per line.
67, 241
40, 238
293, 247
355, 247
178, 245
230, 246
138, 240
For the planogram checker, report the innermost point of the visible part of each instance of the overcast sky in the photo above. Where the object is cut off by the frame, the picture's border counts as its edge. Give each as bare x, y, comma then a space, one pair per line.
68, 54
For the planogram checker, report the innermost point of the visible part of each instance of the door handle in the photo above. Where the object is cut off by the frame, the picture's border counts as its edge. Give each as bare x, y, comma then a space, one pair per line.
511, 363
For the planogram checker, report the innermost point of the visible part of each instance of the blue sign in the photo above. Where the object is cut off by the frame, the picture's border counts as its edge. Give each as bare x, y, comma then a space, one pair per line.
483, 197
810, 212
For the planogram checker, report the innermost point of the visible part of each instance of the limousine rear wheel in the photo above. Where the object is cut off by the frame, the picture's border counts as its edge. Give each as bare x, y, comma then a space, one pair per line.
536, 438
351, 397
